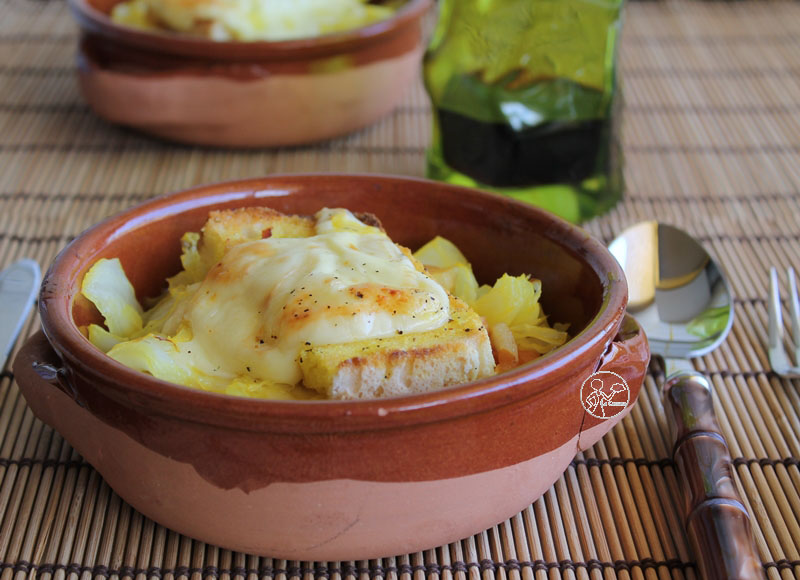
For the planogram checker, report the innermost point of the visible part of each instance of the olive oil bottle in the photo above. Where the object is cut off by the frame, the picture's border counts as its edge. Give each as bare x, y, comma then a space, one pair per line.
526, 101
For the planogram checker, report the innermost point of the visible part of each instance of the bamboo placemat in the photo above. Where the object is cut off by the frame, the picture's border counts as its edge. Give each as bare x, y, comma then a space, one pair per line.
712, 143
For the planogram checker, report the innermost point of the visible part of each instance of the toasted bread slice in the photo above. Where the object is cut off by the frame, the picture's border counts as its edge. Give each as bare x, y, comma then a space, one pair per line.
227, 228
456, 353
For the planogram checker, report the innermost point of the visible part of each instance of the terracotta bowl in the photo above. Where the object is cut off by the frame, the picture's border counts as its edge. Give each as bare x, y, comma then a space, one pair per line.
336, 480
246, 94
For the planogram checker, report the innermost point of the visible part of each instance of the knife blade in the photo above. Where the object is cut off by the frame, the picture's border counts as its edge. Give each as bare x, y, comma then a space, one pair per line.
18, 286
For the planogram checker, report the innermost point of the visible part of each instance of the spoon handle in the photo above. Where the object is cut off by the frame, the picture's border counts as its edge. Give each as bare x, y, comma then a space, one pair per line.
717, 522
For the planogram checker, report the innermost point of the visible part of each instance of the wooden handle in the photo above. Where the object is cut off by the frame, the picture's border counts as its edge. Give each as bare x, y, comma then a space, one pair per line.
717, 522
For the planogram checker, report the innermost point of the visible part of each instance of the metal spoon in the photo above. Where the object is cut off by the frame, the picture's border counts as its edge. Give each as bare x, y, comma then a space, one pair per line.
683, 301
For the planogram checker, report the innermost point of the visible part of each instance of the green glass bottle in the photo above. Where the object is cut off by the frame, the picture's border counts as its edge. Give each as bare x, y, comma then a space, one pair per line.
526, 102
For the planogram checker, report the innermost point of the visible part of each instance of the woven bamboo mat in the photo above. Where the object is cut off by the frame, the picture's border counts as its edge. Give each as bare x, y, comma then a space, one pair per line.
712, 142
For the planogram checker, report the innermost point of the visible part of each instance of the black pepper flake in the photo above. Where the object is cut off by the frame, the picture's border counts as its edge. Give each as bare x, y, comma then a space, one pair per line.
359, 295
467, 330
248, 369
399, 332
306, 310
308, 343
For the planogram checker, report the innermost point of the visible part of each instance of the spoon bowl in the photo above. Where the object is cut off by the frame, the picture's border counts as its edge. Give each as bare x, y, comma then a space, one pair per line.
680, 295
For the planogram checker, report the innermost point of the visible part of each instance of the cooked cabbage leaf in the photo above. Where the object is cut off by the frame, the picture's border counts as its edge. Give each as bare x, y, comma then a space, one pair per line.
107, 286
512, 302
449, 267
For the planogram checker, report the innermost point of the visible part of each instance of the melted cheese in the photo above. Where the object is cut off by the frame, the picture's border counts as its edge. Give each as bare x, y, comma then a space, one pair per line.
266, 300
248, 20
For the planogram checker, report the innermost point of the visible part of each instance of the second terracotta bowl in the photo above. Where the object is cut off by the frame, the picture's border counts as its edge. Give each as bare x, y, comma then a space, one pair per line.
246, 94
336, 480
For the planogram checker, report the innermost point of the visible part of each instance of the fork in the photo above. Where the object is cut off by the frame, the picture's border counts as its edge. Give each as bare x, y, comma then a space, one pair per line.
778, 357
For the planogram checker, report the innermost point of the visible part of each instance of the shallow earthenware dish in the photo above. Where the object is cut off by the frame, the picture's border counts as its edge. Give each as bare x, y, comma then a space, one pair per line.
246, 94
336, 480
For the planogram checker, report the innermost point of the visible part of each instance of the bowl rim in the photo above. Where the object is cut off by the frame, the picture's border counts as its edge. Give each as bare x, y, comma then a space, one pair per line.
94, 21
61, 283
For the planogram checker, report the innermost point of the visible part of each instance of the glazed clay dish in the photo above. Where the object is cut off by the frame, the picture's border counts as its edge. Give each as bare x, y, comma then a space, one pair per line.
333, 480
246, 94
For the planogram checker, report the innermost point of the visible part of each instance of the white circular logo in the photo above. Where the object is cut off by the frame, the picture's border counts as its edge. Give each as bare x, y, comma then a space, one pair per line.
605, 394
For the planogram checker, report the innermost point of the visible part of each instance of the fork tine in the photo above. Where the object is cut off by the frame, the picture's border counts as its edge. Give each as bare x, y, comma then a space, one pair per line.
794, 300
775, 316
777, 354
